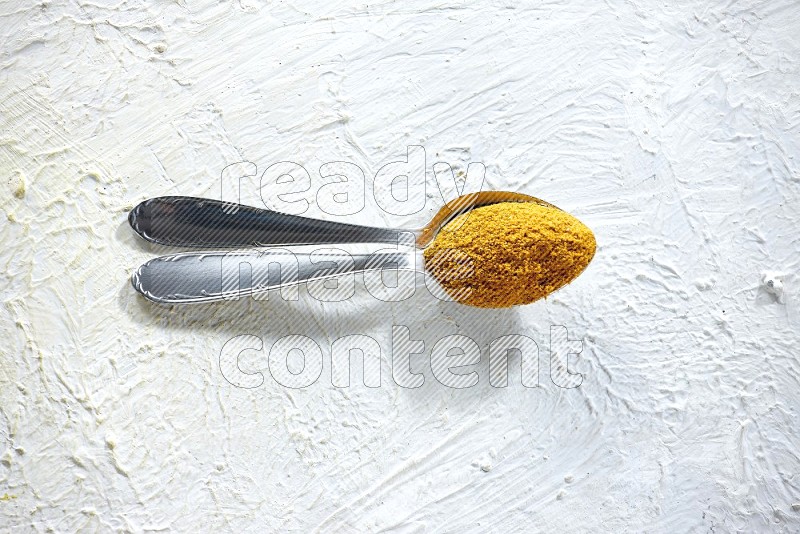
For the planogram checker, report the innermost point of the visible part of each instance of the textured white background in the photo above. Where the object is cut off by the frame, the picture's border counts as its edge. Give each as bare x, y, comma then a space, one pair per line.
671, 128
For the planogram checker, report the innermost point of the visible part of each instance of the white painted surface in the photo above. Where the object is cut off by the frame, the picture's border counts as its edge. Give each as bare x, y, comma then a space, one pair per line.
670, 128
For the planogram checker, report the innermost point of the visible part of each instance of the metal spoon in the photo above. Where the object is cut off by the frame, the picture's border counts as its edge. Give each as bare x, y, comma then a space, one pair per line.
192, 277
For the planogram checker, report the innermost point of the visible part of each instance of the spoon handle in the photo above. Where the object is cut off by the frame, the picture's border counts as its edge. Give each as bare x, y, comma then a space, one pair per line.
195, 277
199, 222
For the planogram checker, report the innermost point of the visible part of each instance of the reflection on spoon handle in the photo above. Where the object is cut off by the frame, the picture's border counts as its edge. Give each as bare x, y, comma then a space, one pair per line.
193, 277
199, 222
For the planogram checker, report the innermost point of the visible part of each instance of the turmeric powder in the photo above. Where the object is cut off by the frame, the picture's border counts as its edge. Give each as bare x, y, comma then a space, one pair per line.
509, 254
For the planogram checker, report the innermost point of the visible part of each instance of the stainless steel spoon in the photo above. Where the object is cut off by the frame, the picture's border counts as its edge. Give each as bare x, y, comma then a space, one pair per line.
192, 277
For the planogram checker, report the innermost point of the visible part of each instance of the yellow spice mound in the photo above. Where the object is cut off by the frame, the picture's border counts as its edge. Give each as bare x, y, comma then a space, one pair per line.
509, 254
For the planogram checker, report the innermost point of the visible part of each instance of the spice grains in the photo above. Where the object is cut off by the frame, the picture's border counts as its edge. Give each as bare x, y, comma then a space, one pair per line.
509, 254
